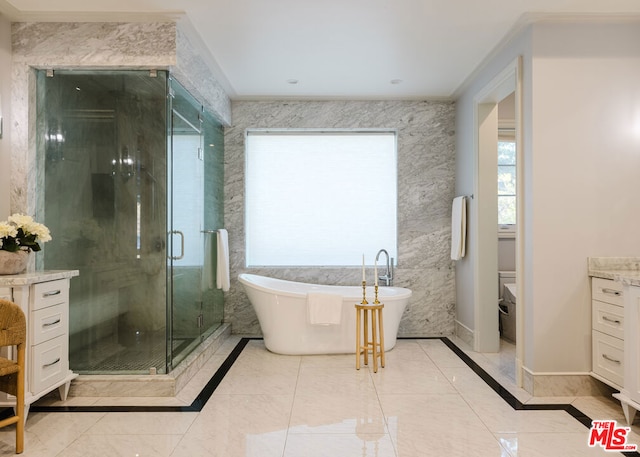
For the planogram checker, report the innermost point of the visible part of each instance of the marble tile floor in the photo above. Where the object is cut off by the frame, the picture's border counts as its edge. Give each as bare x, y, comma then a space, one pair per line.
427, 401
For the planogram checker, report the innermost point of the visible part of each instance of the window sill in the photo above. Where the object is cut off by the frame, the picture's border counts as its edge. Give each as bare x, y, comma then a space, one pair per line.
506, 234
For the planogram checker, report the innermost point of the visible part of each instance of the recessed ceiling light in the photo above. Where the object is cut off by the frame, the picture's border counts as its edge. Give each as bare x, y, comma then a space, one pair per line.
396, 81
292, 81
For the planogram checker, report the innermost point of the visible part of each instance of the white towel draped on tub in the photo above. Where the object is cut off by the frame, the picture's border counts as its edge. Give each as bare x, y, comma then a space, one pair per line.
222, 272
458, 228
324, 309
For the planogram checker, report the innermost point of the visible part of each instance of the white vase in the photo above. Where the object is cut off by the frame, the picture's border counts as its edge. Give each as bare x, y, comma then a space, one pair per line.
12, 263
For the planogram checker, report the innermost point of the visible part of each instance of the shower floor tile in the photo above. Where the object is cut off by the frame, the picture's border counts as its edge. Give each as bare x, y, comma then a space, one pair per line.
136, 357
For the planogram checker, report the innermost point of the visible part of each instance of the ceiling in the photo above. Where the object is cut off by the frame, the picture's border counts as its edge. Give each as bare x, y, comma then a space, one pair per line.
332, 49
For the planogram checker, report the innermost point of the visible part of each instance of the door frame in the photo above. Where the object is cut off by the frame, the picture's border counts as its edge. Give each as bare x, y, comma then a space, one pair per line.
485, 267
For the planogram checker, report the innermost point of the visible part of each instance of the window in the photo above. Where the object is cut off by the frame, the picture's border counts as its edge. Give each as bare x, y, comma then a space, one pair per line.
319, 198
506, 184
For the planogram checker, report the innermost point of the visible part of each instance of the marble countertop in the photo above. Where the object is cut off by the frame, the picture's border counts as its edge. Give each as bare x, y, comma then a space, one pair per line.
622, 269
626, 277
32, 277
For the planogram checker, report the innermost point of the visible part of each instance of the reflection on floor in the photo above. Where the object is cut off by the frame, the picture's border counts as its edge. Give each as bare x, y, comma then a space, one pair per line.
503, 361
427, 401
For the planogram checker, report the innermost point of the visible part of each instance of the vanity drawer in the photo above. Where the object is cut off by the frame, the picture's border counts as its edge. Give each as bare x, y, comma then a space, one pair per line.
608, 318
608, 357
607, 290
48, 323
50, 293
49, 363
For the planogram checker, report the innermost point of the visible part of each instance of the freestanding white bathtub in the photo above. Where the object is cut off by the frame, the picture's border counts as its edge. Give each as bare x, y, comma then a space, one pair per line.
281, 307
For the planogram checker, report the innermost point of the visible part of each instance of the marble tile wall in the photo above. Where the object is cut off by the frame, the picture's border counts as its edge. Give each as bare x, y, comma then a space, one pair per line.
192, 72
426, 169
161, 45
92, 45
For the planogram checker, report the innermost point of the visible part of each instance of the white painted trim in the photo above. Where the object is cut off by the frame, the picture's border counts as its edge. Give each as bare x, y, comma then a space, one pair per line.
16, 15
556, 373
464, 333
484, 218
505, 82
463, 326
520, 242
506, 234
506, 124
526, 20
519, 368
485, 235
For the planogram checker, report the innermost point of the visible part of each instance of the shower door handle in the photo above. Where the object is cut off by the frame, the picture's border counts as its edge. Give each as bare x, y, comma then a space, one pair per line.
178, 232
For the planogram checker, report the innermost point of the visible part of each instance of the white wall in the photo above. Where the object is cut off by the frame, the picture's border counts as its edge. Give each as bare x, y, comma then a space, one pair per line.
506, 254
465, 159
584, 166
5, 106
581, 151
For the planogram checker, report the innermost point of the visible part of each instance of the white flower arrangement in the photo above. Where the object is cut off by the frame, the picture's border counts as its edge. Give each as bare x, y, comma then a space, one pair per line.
22, 233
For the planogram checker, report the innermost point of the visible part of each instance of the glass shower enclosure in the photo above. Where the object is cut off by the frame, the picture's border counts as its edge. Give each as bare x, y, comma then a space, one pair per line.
131, 184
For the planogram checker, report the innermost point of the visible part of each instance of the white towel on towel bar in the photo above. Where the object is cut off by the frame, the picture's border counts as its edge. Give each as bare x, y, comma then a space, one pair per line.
207, 267
222, 271
458, 228
324, 309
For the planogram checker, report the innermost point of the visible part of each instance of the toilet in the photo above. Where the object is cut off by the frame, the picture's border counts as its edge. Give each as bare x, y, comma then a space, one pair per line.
507, 304
505, 277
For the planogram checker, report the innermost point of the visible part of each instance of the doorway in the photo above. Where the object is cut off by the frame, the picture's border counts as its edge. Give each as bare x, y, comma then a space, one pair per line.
486, 266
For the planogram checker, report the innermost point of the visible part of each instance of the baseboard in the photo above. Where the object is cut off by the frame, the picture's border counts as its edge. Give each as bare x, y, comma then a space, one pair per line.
562, 384
464, 333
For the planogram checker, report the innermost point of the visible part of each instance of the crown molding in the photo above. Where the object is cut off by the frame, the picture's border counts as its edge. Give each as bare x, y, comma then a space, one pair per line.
13, 14
528, 19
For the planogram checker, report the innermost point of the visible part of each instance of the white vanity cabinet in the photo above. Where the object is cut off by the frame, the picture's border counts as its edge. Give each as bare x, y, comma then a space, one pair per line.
616, 327
629, 395
44, 298
607, 331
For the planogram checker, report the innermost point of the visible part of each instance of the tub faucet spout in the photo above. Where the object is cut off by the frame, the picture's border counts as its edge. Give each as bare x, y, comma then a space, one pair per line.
388, 276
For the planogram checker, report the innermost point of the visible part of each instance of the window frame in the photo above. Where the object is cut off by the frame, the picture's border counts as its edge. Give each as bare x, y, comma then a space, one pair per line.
507, 135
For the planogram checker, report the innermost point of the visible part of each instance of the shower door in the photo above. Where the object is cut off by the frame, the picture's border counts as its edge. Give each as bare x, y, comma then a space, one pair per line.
102, 161
130, 185
190, 239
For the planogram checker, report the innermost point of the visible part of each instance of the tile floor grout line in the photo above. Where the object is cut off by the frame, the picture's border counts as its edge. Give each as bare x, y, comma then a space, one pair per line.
293, 402
195, 406
210, 387
394, 444
463, 398
516, 404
